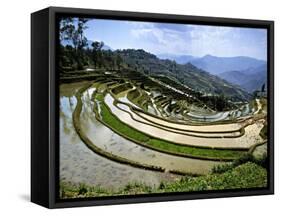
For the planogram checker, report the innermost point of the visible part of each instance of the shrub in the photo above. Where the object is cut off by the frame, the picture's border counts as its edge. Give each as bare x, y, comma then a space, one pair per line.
82, 189
161, 186
222, 168
261, 161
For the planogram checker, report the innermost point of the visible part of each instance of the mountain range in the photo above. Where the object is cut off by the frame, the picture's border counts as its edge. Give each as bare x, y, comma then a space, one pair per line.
217, 65
180, 59
187, 74
250, 79
249, 73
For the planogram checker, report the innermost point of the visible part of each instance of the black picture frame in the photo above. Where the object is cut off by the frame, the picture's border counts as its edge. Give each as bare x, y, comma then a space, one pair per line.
45, 107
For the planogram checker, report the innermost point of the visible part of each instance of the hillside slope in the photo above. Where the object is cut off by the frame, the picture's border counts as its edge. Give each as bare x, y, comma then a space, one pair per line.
251, 79
187, 74
217, 65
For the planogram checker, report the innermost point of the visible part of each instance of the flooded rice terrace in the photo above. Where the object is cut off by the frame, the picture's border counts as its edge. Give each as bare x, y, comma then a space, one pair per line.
80, 164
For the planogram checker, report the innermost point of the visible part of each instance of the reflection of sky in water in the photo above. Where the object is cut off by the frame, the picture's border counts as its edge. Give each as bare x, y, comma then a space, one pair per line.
125, 100
67, 105
79, 164
106, 139
215, 117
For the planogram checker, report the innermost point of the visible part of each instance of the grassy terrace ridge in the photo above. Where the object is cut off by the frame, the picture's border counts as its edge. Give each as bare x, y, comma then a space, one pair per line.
247, 175
120, 88
175, 130
137, 97
242, 130
133, 97
96, 149
108, 155
110, 120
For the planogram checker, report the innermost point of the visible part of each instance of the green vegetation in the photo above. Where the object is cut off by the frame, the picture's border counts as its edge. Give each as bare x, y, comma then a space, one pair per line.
132, 95
78, 53
99, 96
193, 151
262, 161
253, 104
160, 145
142, 101
263, 102
247, 175
115, 123
121, 88
140, 98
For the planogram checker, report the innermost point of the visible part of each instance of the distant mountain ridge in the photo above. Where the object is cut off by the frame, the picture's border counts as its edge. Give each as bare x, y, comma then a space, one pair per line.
250, 79
180, 59
248, 73
217, 65
214, 64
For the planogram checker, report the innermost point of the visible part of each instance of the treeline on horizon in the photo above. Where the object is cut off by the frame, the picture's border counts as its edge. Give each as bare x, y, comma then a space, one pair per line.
80, 53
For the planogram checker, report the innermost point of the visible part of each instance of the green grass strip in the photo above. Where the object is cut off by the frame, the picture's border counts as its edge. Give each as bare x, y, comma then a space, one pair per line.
220, 154
247, 175
76, 123
160, 145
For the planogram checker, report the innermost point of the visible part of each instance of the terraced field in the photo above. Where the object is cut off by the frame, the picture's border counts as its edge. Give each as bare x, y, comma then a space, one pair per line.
131, 128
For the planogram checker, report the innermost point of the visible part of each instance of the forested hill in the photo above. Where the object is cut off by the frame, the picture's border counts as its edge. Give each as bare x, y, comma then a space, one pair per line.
187, 74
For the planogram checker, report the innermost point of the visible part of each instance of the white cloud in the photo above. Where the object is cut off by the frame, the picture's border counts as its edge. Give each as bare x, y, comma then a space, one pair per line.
163, 38
199, 40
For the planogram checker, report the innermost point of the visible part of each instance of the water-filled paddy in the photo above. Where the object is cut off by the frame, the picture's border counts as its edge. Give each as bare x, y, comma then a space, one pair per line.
250, 137
78, 164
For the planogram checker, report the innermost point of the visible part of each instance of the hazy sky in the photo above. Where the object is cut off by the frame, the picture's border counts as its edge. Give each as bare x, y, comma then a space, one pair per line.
179, 39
